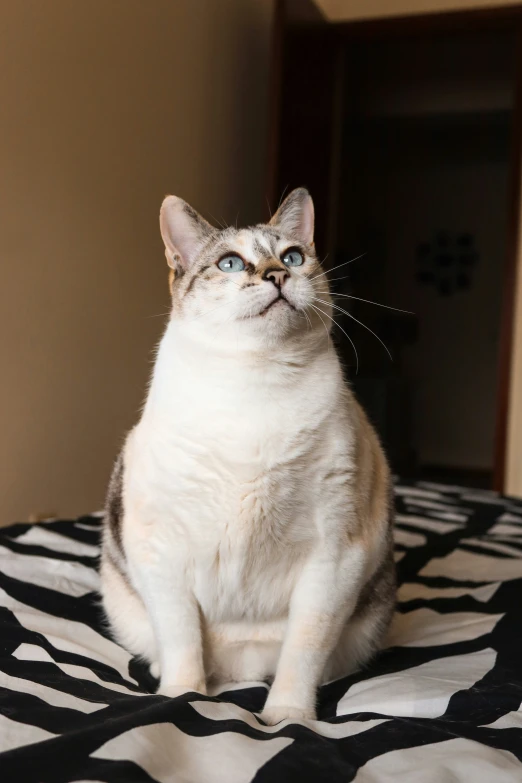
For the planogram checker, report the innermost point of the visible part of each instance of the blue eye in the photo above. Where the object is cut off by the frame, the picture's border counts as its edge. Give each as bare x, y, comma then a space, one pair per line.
231, 263
292, 258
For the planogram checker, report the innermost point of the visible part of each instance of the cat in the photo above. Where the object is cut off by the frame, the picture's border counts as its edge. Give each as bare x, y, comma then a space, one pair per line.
248, 529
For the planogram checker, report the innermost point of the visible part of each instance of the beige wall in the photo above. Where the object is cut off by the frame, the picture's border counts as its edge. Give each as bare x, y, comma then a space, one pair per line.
106, 106
348, 10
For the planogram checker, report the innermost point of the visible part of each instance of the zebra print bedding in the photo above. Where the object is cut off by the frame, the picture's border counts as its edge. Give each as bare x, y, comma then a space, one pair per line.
441, 703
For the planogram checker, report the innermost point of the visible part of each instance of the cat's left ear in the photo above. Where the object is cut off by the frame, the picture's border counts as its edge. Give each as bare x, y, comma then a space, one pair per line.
184, 232
295, 216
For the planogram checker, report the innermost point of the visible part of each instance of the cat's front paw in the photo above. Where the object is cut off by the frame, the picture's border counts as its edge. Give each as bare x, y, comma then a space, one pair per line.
277, 713
174, 689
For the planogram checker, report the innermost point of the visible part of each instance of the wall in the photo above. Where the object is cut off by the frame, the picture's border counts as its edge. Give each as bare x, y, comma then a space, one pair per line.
350, 10
107, 106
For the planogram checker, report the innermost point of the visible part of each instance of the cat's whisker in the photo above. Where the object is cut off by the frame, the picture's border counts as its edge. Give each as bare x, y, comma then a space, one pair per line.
307, 318
369, 301
338, 266
325, 327
221, 223
318, 309
336, 307
282, 196
333, 279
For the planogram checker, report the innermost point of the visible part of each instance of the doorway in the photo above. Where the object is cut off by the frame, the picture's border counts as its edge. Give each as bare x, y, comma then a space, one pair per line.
418, 134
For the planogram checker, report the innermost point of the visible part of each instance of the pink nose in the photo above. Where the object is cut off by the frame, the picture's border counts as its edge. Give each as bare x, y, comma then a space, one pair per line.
277, 276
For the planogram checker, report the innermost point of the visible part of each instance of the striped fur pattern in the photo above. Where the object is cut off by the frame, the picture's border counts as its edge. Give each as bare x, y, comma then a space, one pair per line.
248, 532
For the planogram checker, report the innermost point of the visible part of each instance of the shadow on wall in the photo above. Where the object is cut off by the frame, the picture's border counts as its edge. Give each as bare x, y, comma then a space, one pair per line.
107, 107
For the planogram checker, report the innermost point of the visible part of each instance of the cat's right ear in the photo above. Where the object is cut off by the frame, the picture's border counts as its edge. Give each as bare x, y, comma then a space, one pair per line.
184, 232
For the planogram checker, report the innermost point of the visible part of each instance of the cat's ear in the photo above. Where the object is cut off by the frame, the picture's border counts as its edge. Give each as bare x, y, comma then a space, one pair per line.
295, 216
184, 232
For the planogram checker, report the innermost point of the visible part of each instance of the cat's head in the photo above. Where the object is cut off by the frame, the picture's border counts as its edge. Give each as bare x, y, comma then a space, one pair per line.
263, 282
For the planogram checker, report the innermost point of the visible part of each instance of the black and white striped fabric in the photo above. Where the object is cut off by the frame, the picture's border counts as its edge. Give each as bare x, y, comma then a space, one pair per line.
442, 703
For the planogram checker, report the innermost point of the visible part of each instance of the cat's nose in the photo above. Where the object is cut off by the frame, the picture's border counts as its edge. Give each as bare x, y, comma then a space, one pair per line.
276, 275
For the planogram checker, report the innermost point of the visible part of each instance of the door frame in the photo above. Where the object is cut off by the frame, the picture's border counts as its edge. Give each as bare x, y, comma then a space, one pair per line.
290, 31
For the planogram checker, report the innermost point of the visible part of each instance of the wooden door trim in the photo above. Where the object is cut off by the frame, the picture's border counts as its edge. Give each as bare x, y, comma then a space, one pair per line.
460, 20
286, 13
274, 108
511, 270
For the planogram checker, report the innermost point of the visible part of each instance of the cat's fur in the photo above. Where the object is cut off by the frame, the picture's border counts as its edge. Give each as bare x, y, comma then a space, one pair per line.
248, 528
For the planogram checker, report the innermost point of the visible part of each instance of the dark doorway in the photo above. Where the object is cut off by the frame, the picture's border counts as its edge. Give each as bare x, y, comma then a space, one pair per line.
413, 127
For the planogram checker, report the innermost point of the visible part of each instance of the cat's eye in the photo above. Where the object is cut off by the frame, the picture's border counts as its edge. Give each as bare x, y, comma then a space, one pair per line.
231, 263
292, 257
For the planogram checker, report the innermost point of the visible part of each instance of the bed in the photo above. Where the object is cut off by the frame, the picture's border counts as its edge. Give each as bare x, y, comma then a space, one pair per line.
441, 703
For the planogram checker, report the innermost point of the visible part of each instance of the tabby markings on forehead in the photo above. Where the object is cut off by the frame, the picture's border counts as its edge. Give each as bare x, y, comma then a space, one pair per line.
258, 248
271, 236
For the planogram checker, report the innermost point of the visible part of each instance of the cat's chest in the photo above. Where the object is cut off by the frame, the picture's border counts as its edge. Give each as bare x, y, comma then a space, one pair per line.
235, 483
246, 458
232, 470
227, 491
245, 522
231, 487
246, 566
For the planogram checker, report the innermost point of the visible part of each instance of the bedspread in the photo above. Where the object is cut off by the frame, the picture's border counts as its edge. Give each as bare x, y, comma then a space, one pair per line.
442, 702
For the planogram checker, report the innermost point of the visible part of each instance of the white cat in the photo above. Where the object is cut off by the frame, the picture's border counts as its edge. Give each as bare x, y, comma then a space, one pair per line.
248, 528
